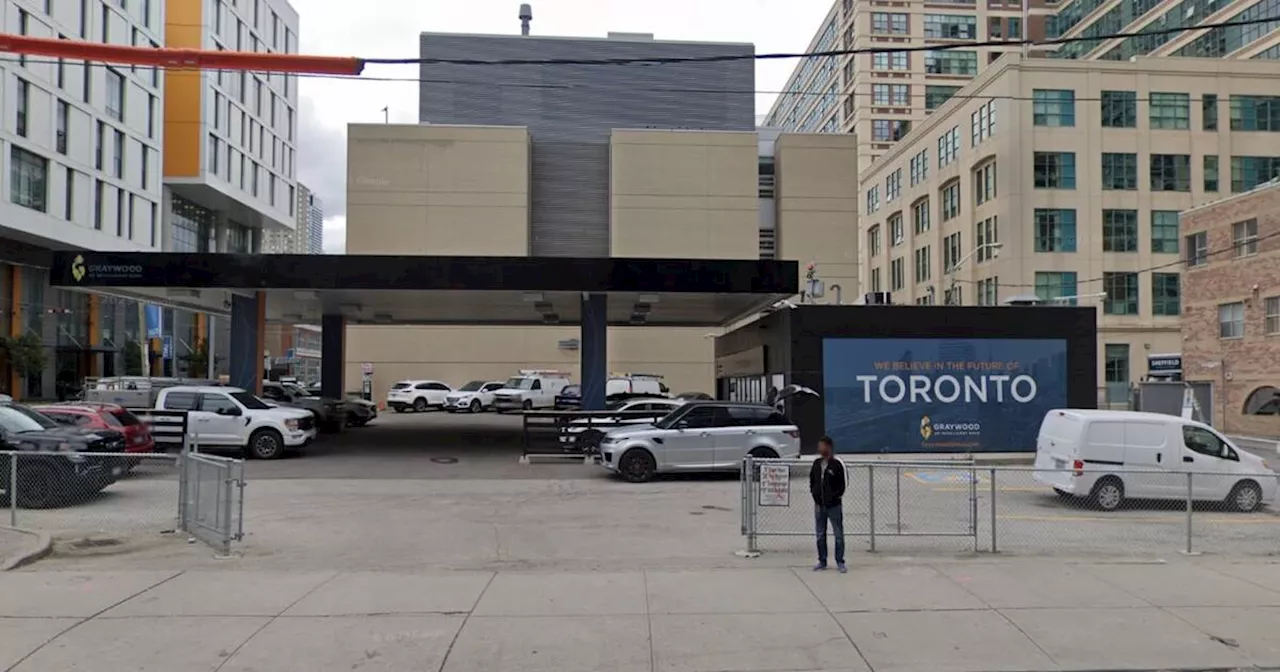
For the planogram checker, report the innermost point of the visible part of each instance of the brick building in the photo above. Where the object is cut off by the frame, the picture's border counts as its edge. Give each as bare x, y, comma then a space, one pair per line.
1231, 307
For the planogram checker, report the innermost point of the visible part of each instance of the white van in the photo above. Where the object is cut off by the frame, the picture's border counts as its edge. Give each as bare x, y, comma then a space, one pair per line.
635, 384
1110, 455
533, 388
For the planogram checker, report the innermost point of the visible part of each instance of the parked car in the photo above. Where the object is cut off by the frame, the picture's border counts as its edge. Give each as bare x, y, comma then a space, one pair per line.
229, 417
570, 398
418, 395
103, 418
475, 396
360, 411
531, 389
583, 435
696, 437
330, 414
53, 480
695, 396
1111, 456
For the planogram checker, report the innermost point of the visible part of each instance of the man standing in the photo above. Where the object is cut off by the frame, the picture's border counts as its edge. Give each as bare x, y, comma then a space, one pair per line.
826, 484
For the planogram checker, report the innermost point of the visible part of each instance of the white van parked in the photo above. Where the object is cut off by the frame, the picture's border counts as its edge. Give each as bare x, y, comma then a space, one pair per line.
533, 388
635, 384
1109, 456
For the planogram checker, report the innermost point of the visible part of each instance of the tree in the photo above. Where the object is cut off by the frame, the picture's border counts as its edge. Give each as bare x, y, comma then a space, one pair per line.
198, 360
26, 353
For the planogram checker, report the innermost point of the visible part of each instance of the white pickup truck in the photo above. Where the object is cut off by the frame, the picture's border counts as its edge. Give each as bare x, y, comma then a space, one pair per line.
229, 417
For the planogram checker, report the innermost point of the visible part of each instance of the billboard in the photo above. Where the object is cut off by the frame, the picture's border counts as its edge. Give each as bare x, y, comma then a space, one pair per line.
955, 395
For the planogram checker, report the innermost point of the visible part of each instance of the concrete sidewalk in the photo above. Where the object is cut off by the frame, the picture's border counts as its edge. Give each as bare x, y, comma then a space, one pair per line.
994, 614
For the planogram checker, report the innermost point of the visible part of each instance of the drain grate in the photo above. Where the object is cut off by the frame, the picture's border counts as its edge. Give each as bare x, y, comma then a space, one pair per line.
445, 460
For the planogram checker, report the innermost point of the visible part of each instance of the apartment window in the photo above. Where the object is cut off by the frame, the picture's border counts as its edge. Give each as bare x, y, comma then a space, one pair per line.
63, 121
989, 292
115, 95
951, 200
882, 130
27, 184
119, 154
897, 274
1055, 230
920, 216
271, 189
1248, 172
152, 225
1244, 238
98, 190
86, 82
1166, 294
953, 297
951, 26
69, 196
1170, 110
982, 123
895, 60
1122, 293
1197, 248
1209, 111
897, 233
923, 271
875, 280
873, 199
24, 102
1119, 109
935, 96
84, 18
951, 62
1119, 171
1211, 172
873, 241
1271, 324
1170, 172
1054, 170
919, 167
1119, 230
288, 113
951, 251
949, 146
890, 94
23, 20
893, 186
1164, 231
100, 146
253, 180
1056, 285
986, 234
213, 154
1231, 320
1053, 107
1255, 113
146, 166
984, 183
120, 213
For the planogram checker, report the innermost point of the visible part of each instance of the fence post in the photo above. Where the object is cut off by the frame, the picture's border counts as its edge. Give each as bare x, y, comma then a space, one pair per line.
897, 494
1189, 509
993, 510
13, 489
225, 513
752, 488
871, 503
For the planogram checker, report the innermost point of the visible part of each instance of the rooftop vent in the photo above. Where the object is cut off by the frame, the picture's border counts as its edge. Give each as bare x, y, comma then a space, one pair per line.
526, 15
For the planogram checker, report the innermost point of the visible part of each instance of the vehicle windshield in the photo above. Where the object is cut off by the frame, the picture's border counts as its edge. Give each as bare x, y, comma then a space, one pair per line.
669, 420
519, 383
111, 420
297, 391
249, 401
473, 386
15, 419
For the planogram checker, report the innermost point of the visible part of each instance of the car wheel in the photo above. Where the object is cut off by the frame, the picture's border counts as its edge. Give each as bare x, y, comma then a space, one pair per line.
353, 420
419, 405
527, 405
588, 441
1108, 494
637, 466
38, 486
266, 444
1246, 497
476, 406
398, 409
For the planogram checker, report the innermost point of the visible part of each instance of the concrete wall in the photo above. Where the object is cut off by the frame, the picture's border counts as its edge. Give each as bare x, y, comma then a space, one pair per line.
818, 207
437, 190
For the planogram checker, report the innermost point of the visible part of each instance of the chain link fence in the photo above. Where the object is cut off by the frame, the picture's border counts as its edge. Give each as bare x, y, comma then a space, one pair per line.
940, 506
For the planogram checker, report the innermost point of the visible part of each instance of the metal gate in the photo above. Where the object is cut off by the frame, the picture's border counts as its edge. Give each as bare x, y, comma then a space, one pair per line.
211, 501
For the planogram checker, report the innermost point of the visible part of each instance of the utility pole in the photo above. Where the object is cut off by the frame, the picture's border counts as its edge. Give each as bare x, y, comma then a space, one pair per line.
953, 282
386, 115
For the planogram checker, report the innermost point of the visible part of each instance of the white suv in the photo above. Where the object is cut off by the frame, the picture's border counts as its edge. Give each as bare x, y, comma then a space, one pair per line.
418, 395
475, 396
229, 417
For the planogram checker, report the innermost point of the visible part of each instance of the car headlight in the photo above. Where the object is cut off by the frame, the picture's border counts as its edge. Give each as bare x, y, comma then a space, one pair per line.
292, 425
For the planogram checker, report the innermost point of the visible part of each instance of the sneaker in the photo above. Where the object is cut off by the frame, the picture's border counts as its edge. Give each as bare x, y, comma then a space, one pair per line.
819, 567
842, 568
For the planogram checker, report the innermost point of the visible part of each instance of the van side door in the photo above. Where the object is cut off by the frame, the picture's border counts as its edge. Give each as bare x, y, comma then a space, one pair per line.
1151, 462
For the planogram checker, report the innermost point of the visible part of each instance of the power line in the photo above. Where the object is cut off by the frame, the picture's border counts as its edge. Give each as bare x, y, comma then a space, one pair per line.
721, 58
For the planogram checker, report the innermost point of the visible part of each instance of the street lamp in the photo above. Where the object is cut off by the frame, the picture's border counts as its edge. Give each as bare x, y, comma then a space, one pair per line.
951, 274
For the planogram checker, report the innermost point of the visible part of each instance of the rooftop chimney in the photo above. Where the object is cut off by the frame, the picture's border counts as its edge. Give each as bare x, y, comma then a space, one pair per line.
526, 15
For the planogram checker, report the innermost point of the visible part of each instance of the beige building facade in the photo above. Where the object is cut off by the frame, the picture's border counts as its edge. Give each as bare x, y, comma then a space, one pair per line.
465, 190
1065, 179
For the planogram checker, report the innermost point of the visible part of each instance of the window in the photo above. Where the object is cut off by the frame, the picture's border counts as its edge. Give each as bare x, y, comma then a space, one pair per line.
115, 95
27, 184
1255, 113
69, 197
213, 154
951, 200
897, 274
180, 401
951, 26
920, 216
1055, 230
984, 183
982, 123
120, 215
951, 62
24, 101
873, 199
1119, 230
98, 191
1119, 109
63, 120
100, 148
989, 292
1248, 172
895, 60
1231, 320
1197, 248
1053, 107
889, 130
23, 20
1170, 172
1164, 231
951, 252
949, 146
893, 185
1054, 170
1170, 110
1122, 293
145, 177
986, 235
953, 296
896, 232
118, 146
1209, 111
86, 81
875, 280
1166, 294
1055, 285
873, 241
1271, 323
919, 167
1119, 171
923, 261
935, 96
1244, 238
890, 94
1211, 172
1206, 443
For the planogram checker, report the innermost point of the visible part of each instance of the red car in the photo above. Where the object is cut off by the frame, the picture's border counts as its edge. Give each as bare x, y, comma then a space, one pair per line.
110, 417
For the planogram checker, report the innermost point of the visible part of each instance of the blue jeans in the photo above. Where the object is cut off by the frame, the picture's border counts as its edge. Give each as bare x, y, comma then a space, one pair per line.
821, 515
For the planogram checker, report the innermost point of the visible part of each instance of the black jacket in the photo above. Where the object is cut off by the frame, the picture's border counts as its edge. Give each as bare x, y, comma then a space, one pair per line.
826, 485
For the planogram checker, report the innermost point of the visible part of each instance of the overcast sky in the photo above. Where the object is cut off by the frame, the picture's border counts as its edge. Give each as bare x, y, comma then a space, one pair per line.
390, 28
